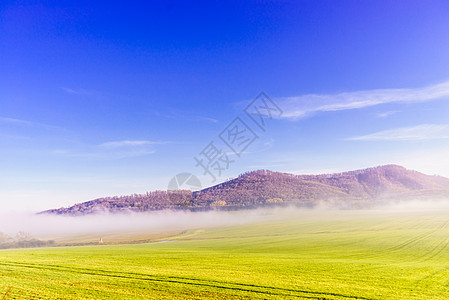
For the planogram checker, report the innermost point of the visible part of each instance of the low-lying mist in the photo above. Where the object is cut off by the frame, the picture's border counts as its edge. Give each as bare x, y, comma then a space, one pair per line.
46, 226
50, 226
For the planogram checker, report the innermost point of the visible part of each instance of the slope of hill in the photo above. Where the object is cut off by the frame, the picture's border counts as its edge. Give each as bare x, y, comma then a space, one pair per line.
264, 188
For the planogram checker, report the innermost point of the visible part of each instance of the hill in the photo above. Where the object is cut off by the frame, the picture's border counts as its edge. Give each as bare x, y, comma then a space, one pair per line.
354, 189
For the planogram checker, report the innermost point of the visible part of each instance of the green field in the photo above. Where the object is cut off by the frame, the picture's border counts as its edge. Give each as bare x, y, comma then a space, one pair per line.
310, 255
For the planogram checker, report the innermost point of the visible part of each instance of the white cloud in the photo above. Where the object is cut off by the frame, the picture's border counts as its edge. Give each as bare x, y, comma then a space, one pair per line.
25, 123
185, 115
95, 154
387, 113
302, 106
128, 143
16, 121
112, 150
415, 133
77, 91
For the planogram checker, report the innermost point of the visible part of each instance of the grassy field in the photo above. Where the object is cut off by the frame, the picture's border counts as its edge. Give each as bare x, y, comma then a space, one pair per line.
311, 255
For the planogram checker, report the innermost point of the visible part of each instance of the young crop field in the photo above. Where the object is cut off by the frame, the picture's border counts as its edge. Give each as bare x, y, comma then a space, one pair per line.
313, 255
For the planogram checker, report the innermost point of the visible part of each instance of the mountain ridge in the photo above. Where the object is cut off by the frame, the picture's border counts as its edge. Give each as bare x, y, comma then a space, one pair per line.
351, 189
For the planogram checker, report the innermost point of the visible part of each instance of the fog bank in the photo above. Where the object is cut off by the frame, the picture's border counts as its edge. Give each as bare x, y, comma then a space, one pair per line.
47, 226
50, 226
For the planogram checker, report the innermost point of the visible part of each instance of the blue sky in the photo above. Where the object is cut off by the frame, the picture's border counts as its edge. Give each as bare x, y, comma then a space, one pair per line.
110, 98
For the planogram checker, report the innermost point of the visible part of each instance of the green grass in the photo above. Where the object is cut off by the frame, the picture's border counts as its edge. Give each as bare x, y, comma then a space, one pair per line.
313, 255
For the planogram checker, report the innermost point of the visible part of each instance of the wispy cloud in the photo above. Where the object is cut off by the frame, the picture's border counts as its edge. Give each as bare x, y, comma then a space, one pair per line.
185, 115
77, 91
14, 137
128, 143
416, 133
26, 123
113, 150
302, 106
387, 113
207, 119
16, 121
95, 154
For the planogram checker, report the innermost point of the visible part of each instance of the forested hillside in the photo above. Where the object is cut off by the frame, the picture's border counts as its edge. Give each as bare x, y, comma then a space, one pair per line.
353, 189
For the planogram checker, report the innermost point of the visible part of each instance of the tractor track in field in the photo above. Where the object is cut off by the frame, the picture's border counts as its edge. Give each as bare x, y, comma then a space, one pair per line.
413, 240
251, 288
443, 245
426, 280
437, 250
